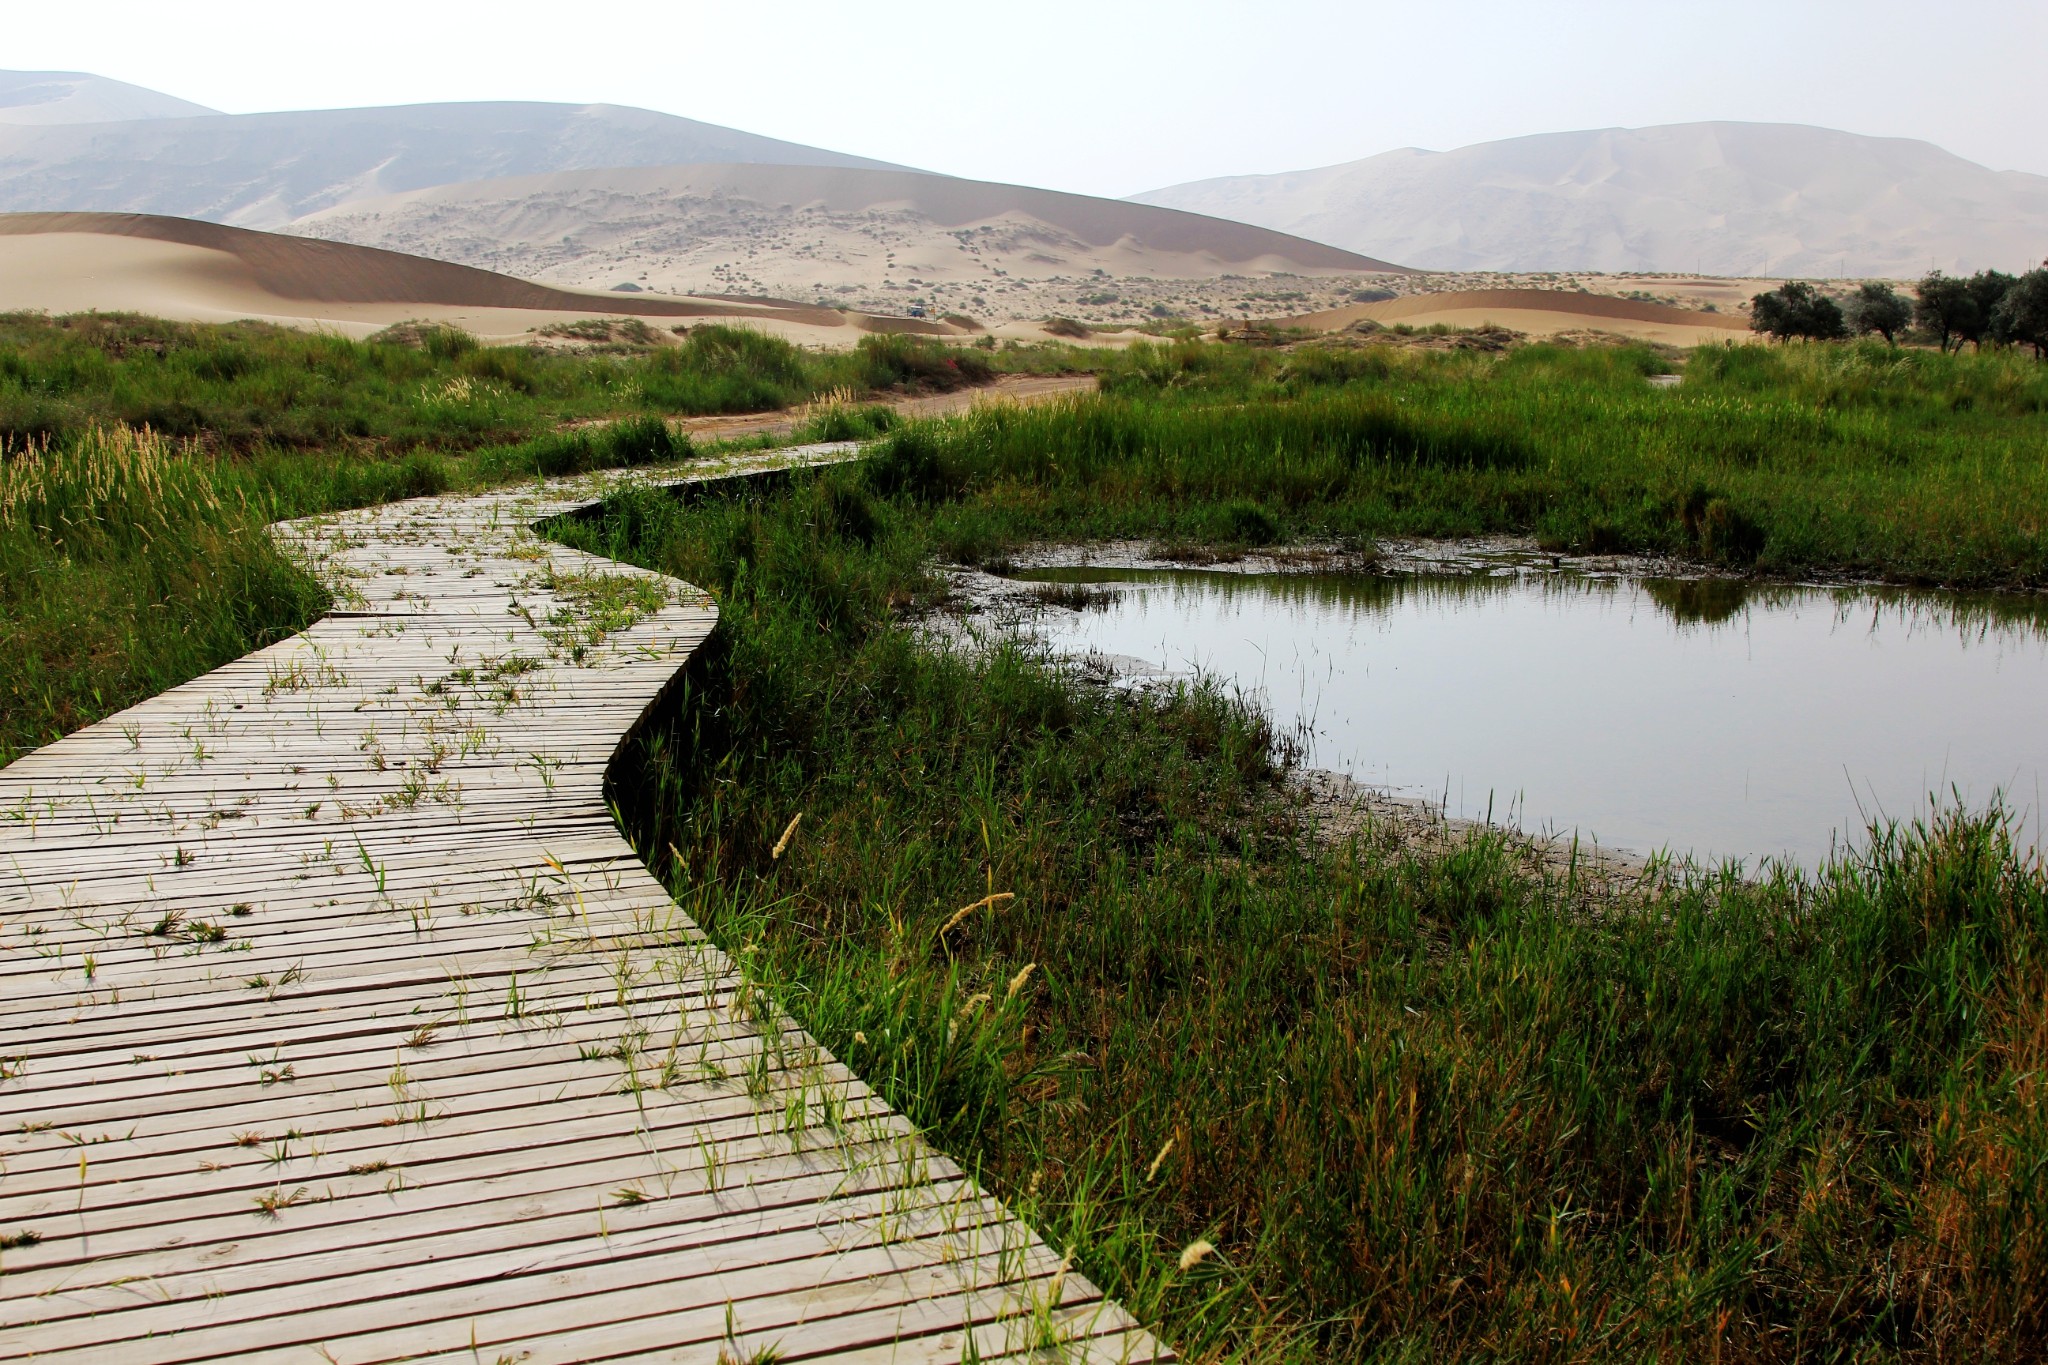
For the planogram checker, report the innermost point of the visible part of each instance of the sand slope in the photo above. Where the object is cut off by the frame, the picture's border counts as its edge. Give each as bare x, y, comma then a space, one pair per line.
878, 240
46, 97
1720, 198
178, 268
262, 170
1539, 312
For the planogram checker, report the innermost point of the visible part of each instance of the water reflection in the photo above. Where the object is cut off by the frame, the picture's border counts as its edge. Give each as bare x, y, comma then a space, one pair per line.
1715, 717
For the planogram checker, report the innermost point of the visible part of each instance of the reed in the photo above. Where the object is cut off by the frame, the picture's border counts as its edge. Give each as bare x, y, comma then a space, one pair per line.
1302, 1102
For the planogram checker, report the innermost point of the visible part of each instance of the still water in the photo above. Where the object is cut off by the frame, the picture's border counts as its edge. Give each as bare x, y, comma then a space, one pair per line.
1709, 718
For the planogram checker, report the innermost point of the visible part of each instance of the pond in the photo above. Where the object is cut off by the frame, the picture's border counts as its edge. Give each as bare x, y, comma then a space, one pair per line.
1702, 717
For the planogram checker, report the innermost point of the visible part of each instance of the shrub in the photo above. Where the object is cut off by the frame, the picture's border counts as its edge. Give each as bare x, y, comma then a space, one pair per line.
899, 360
1797, 309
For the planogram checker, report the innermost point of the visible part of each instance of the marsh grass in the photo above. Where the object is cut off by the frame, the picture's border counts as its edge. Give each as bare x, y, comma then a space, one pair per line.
140, 460
1413, 1106
1305, 1103
251, 387
1849, 460
126, 568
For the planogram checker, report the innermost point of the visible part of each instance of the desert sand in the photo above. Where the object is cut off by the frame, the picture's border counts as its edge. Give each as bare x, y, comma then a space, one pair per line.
880, 241
1538, 313
203, 272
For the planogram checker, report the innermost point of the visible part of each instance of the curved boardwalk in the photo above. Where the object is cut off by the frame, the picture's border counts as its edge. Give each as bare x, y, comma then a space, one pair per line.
341, 1024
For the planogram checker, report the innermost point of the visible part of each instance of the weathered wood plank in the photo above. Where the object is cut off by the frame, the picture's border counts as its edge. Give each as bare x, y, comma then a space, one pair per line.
445, 1069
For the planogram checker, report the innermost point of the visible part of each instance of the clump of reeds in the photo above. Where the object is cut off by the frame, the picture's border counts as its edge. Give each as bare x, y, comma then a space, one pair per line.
125, 567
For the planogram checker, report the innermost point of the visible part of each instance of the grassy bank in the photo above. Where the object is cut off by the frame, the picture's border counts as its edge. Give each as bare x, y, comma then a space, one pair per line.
141, 459
251, 386
1421, 1107
1911, 466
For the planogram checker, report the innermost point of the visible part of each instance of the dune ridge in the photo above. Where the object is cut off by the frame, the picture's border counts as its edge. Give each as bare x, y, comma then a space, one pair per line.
42, 98
946, 201
264, 170
180, 267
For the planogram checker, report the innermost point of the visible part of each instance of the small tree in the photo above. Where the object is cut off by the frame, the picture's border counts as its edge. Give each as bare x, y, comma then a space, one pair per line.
1797, 309
1877, 307
1945, 310
1988, 289
2022, 316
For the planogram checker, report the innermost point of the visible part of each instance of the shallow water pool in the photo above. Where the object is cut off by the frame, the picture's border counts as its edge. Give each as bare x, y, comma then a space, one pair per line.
1703, 717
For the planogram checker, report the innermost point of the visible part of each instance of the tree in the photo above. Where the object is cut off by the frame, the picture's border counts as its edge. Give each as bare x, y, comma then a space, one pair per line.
1877, 307
2022, 316
1988, 289
1797, 309
1945, 310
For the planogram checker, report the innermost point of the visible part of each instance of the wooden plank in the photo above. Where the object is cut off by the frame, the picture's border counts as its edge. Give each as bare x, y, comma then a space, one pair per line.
389, 843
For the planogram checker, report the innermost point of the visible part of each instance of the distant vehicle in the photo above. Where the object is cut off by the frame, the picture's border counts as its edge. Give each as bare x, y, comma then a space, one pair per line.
916, 312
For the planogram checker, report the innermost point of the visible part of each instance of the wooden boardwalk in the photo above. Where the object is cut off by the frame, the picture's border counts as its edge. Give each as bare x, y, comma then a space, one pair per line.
340, 1023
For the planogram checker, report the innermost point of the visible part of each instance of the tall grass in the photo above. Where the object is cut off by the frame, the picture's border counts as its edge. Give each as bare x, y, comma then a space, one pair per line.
246, 386
140, 460
1425, 1107
1799, 459
126, 568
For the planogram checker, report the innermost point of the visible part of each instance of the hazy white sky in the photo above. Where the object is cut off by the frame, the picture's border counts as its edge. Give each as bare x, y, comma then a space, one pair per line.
1107, 96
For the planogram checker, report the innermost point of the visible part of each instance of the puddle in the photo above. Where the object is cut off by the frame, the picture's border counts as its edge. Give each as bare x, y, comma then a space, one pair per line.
1711, 717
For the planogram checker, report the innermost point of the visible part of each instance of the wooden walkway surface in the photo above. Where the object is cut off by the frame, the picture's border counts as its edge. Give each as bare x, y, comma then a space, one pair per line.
339, 1022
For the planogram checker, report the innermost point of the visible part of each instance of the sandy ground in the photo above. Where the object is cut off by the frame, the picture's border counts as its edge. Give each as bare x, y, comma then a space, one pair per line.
119, 263
180, 269
889, 243
1538, 312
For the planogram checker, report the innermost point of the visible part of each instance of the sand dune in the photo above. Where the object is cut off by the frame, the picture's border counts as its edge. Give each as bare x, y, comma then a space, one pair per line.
178, 268
263, 170
517, 213
883, 241
1538, 312
561, 194
47, 97
1720, 198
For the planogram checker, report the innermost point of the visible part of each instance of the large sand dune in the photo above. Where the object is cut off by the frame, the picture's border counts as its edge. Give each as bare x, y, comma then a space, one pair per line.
179, 268
885, 240
1719, 198
263, 170
47, 97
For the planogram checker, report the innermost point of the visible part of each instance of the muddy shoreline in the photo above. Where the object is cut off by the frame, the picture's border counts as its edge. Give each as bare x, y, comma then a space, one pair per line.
986, 604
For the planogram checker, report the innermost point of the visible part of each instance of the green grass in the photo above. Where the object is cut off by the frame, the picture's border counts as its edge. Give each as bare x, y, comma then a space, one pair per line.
1861, 461
251, 386
140, 461
127, 567
1425, 1107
